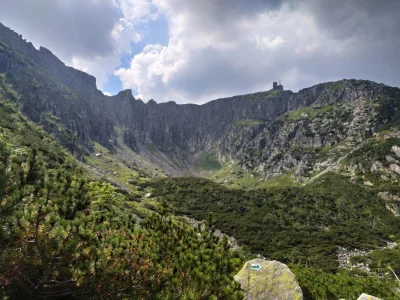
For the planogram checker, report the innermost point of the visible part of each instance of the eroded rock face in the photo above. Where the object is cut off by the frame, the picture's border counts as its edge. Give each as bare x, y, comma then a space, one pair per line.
273, 281
270, 133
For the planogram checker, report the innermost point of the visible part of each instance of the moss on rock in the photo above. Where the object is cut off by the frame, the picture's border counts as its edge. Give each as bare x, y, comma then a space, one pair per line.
368, 297
273, 281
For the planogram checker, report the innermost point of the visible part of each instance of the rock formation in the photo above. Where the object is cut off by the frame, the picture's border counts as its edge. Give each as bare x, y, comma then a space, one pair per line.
367, 297
268, 280
269, 133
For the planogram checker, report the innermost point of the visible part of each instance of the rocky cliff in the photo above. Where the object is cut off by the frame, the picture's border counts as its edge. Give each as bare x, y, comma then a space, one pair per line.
64, 100
269, 134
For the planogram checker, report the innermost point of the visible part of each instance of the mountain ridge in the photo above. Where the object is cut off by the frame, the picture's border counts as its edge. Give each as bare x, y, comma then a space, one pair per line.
263, 154
173, 138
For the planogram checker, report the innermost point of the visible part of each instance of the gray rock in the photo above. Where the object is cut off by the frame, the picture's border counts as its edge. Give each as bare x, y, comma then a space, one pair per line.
377, 166
395, 168
385, 178
274, 281
390, 159
396, 150
368, 297
392, 202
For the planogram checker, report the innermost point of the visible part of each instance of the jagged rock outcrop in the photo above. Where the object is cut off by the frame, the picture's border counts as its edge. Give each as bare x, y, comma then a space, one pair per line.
268, 280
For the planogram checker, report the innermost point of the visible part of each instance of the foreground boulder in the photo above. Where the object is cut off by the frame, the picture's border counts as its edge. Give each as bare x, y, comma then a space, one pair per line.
268, 280
367, 297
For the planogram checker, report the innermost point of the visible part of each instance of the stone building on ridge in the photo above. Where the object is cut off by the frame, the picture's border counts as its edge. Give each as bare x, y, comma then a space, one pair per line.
277, 87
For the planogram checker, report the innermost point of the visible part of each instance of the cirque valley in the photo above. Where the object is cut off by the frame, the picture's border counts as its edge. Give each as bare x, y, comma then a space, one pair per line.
109, 196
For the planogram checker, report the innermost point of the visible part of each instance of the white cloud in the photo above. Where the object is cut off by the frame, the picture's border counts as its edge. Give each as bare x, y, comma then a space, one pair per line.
100, 66
89, 35
221, 48
205, 59
217, 47
138, 10
124, 33
270, 42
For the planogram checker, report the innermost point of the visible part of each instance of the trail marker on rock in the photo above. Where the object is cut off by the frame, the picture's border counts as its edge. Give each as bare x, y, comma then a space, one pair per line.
256, 267
268, 280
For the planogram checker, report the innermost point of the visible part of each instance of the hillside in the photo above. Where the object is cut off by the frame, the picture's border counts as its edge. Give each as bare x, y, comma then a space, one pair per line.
61, 231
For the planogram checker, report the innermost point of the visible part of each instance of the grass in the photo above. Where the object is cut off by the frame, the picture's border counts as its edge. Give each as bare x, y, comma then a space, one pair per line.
234, 177
284, 180
208, 162
263, 95
111, 166
338, 85
248, 123
308, 112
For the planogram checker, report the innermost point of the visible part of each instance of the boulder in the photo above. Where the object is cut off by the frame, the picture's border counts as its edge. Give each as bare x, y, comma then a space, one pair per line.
395, 168
367, 297
377, 166
390, 159
396, 150
262, 279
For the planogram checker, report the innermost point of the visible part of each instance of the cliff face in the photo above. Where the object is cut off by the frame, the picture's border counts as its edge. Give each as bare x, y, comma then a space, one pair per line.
64, 100
272, 132
190, 127
269, 133
327, 114
199, 127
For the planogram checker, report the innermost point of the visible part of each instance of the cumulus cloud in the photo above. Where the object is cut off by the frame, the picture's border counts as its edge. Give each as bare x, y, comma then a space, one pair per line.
89, 35
221, 47
124, 33
217, 48
79, 26
138, 10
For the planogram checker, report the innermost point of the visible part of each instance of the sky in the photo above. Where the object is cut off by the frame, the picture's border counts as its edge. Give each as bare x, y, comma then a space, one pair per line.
193, 51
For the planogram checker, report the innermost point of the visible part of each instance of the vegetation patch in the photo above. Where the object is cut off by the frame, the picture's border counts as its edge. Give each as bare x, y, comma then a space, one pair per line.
317, 284
248, 123
284, 180
304, 224
61, 228
308, 112
209, 162
103, 160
